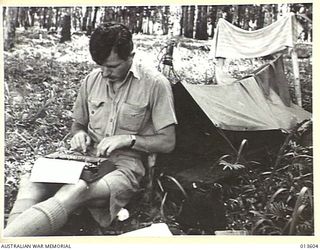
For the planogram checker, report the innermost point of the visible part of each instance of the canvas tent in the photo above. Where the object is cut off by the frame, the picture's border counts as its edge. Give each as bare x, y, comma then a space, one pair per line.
242, 106
214, 119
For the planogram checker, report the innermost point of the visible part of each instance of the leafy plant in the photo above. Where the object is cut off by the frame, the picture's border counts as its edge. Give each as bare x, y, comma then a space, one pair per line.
280, 200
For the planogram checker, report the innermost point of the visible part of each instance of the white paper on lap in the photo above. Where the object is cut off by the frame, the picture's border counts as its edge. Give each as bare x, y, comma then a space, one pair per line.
56, 171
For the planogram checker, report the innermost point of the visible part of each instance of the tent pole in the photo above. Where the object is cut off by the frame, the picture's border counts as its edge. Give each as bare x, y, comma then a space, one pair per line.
296, 75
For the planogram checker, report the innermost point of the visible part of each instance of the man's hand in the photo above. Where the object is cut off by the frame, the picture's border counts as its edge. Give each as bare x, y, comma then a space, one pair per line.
109, 144
80, 140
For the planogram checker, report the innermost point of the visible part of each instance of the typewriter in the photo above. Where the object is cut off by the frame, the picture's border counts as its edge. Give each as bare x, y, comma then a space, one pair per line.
92, 168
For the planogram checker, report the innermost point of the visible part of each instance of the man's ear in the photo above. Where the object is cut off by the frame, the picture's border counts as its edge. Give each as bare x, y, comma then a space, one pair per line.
132, 54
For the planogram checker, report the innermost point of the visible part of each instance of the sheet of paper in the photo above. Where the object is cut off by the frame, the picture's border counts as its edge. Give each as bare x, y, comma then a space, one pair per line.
157, 229
56, 171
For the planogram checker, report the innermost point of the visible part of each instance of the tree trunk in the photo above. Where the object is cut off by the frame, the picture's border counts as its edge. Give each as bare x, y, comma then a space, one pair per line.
118, 14
132, 20
214, 11
44, 18
201, 26
4, 10
260, 17
50, 18
94, 20
235, 16
165, 20
85, 20
32, 12
147, 21
10, 28
190, 22
246, 19
24, 18
274, 12
57, 17
240, 16
140, 19
226, 9
66, 28
89, 25
17, 24
184, 20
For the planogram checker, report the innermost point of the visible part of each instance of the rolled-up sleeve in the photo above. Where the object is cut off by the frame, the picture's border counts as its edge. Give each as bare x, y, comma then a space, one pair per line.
80, 108
162, 104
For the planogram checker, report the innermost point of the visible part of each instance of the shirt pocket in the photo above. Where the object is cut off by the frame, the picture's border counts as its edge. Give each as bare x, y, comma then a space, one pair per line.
131, 117
97, 113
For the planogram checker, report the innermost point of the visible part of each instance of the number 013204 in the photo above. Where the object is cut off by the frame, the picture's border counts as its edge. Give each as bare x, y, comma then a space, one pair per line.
308, 245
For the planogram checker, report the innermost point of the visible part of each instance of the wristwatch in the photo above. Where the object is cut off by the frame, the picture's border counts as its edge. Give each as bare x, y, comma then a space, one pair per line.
133, 140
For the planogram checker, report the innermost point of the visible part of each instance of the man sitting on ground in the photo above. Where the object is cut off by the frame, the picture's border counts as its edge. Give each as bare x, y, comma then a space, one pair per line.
123, 110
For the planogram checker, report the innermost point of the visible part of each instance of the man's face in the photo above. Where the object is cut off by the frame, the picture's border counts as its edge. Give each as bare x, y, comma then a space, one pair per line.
114, 68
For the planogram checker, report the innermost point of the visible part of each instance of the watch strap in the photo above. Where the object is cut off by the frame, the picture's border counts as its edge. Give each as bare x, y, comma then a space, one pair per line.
133, 140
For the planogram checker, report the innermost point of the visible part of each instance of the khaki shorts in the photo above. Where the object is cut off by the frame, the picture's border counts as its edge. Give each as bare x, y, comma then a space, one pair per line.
123, 184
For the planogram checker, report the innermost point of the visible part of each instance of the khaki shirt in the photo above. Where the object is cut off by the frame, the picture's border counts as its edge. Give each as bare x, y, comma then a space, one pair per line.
142, 105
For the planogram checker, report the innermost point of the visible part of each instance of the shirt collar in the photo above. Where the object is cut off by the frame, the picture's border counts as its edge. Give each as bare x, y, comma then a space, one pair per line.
134, 68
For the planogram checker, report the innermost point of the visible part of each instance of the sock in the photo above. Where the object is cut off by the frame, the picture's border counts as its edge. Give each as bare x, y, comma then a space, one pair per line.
19, 207
44, 218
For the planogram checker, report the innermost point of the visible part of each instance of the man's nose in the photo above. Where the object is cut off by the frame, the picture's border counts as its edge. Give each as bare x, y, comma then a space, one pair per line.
106, 71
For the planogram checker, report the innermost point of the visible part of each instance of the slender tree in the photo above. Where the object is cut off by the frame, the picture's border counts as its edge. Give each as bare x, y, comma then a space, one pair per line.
57, 17
274, 12
89, 21
201, 25
260, 16
24, 17
213, 15
85, 20
190, 22
94, 20
17, 17
165, 20
10, 28
132, 18
183, 20
44, 17
32, 12
50, 18
235, 15
4, 10
66, 27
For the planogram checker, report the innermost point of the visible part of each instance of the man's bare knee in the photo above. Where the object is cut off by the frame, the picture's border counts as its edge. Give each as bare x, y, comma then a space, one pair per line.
32, 190
72, 196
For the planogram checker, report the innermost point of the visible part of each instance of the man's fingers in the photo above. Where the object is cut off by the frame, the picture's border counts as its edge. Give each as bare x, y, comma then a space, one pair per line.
72, 144
102, 147
88, 140
109, 150
80, 141
100, 151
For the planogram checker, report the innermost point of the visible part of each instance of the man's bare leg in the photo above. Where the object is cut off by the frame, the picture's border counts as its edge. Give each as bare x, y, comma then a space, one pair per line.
48, 216
29, 194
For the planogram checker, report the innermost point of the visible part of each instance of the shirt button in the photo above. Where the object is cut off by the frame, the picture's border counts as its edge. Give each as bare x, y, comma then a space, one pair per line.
111, 120
92, 112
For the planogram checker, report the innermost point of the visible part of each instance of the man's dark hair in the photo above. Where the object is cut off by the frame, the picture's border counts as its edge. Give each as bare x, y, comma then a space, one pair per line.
109, 36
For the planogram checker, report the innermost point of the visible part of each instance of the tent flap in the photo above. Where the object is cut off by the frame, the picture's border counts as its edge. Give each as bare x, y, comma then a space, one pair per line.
242, 106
